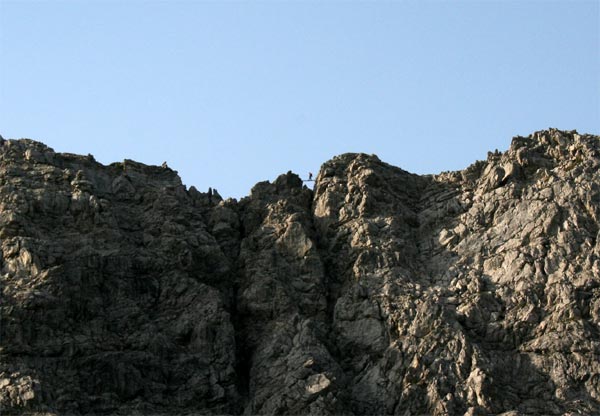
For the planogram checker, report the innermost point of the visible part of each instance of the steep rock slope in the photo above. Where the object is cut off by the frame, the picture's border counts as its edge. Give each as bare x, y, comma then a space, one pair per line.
378, 292
109, 289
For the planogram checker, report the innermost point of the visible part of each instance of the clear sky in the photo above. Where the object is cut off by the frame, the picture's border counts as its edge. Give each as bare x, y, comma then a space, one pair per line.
232, 93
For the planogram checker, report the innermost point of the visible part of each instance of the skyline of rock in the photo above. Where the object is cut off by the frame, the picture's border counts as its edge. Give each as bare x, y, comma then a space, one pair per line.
379, 291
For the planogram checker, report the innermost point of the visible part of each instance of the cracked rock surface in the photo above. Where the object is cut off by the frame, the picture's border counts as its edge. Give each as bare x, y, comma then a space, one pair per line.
474, 292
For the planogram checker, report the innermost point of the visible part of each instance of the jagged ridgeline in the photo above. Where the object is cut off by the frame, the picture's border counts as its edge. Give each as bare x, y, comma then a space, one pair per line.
379, 292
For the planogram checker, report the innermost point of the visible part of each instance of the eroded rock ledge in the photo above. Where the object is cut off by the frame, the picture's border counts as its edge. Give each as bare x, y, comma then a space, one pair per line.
379, 292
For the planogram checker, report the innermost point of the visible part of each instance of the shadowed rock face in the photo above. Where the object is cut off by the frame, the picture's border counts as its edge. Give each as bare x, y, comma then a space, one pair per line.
379, 292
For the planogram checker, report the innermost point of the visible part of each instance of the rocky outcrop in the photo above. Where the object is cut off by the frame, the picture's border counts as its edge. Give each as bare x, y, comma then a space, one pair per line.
378, 292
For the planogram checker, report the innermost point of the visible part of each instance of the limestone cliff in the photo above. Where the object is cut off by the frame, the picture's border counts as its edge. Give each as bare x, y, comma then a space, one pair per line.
378, 292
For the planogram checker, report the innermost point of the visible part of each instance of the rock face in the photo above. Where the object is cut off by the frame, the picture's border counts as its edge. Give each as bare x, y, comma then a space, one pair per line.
379, 292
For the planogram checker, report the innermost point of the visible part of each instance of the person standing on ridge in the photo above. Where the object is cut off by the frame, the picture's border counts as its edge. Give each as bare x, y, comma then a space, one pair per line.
310, 176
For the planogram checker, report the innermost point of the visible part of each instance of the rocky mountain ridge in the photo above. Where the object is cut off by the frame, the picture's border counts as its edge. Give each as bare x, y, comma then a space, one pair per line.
379, 292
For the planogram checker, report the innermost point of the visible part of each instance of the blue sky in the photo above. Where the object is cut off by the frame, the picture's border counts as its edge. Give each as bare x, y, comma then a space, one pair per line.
232, 93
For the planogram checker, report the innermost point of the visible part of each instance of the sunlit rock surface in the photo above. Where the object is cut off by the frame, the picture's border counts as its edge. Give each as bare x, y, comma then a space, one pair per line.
378, 292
